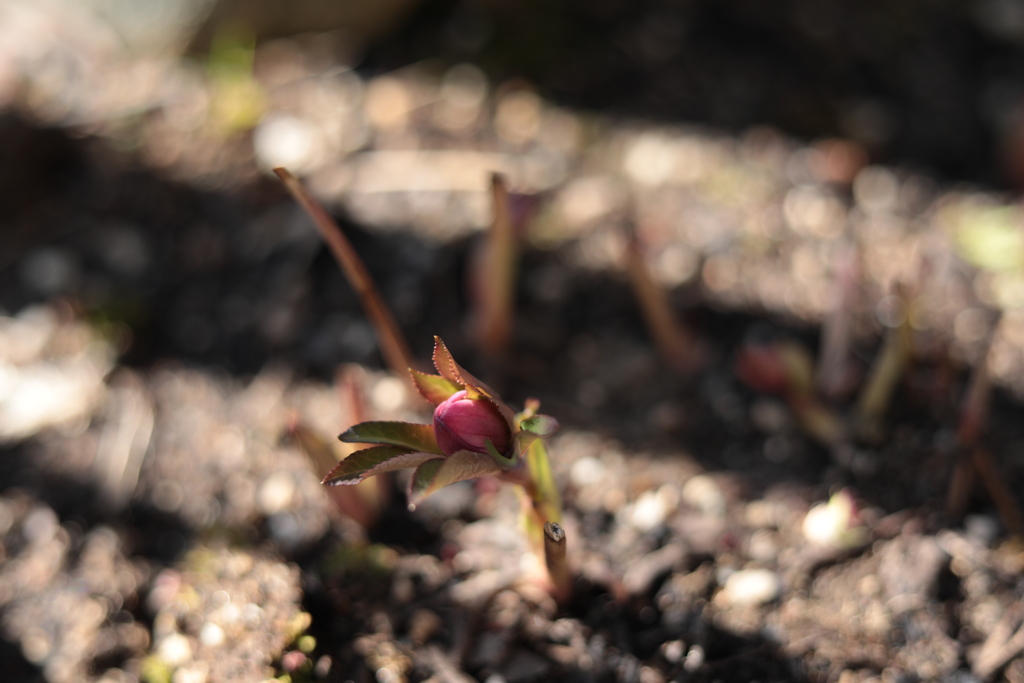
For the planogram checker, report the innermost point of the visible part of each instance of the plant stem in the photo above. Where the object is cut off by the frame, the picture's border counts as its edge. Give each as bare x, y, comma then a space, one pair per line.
546, 498
392, 341
554, 558
540, 502
886, 373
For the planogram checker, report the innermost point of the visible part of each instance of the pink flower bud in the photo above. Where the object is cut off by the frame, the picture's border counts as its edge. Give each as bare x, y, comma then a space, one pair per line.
462, 423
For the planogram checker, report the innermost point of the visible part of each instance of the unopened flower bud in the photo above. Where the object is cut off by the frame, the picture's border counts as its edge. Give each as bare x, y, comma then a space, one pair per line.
462, 423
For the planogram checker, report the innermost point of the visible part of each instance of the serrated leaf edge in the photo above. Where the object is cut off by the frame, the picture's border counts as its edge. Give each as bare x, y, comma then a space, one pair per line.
401, 459
426, 383
481, 464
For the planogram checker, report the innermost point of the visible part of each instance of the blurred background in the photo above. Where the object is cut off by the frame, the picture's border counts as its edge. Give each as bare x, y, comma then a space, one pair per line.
133, 133
174, 335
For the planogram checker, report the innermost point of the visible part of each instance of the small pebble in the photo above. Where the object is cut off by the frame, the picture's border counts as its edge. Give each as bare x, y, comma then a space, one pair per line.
586, 472
388, 395
703, 493
673, 651
984, 528
763, 546
694, 658
276, 493
323, 666
762, 514
196, 673
750, 587
651, 508
36, 645
175, 650
211, 635
40, 525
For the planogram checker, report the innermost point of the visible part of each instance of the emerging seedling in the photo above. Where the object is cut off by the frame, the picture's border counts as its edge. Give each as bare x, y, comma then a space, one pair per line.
785, 368
389, 336
834, 378
975, 460
474, 434
365, 502
887, 371
676, 343
493, 274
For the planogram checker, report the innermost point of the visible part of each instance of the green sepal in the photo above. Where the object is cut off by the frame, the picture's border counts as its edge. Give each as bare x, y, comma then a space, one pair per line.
451, 370
505, 463
434, 388
374, 460
413, 436
445, 363
459, 466
523, 441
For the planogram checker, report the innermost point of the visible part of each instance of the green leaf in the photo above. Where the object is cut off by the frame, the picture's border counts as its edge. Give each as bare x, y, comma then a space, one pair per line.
414, 436
459, 466
991, 238
374, 460
541, 425
434, 388
421, 480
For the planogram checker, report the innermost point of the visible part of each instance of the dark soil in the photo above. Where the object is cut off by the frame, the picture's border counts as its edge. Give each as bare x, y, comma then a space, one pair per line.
168, 319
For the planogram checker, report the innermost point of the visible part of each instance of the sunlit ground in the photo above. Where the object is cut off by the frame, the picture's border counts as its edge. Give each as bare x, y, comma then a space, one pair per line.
756, 224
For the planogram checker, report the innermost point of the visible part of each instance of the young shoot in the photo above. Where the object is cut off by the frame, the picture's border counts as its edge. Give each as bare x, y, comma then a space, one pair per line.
474, 434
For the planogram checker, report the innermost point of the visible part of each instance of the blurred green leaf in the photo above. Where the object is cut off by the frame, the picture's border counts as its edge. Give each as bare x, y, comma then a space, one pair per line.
238, 101
991, 238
